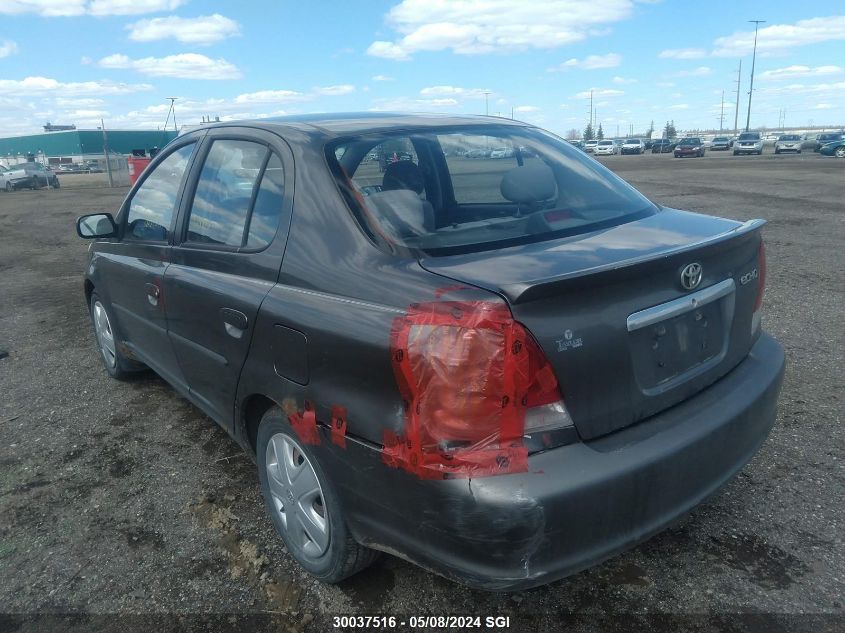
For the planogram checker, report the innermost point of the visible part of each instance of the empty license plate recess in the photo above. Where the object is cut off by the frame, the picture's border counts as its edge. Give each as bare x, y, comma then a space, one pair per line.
675, 341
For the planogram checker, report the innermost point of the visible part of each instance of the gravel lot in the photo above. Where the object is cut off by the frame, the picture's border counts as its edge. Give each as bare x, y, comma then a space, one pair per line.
123, 498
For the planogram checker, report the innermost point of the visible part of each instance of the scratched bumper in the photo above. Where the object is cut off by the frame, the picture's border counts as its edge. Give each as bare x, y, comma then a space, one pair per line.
578, 504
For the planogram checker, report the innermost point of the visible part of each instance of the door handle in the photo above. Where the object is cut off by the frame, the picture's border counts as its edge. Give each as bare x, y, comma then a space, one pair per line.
153, 293
234, 321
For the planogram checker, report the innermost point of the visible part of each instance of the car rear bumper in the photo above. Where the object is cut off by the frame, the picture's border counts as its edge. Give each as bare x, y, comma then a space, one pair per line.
578, 504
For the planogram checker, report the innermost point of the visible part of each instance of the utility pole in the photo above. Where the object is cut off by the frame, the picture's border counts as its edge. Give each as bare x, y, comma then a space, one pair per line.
757, 24
722, 115
106, 152
486, 106
736, 110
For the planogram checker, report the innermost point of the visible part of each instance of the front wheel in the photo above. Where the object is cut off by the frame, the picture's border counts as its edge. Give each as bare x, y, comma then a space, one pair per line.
303, 504
839, 152
116, 363
55, 184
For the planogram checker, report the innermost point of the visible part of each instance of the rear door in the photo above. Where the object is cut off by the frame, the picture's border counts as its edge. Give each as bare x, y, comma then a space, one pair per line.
227, 256
131, 269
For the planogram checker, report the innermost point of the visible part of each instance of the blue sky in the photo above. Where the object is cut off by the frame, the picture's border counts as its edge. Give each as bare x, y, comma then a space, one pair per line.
76, 61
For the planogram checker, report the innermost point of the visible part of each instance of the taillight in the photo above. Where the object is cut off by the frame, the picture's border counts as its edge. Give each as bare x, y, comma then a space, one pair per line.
473, 383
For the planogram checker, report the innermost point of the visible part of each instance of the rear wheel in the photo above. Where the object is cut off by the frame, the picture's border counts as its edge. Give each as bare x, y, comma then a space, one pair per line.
839, 152
55, 184
303, 505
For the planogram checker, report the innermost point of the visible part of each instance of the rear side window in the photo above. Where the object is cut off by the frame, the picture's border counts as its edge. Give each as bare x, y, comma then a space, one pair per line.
238, 197
151, 208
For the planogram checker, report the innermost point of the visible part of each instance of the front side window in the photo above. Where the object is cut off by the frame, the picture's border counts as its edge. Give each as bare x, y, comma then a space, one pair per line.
151, 208
479, 187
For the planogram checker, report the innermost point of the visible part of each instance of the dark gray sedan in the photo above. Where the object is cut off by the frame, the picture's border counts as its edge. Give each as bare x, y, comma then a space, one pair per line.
504, 370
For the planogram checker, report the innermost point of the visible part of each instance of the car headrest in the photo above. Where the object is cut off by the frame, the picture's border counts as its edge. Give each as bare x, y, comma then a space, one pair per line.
528, 183
402, 212
403, 174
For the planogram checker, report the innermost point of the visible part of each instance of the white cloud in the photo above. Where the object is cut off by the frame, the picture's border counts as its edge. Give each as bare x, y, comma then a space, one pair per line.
64, 8
271, 96
410, 104
798, 72
591, 62
205, 29
464, 93
526, 108
473, 27
335, 91
8, 48
621, 81
683, 53
823, 106
44, 86
183, 66
780, 38
701, 71
599, 92
382, 78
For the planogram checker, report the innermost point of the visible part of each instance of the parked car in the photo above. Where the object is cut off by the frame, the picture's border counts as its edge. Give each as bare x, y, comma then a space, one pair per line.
720, 144
14, 178
662, 146
408, 379
788, 143
808, 141
30, 176
827, 137
748, 143
606, 148
648, 143
590, 146
574, 143
633, 146
692, 146
502, 152
834, 148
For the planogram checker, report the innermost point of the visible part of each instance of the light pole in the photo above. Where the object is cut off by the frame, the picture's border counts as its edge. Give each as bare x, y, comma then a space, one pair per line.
486, 105
757, 23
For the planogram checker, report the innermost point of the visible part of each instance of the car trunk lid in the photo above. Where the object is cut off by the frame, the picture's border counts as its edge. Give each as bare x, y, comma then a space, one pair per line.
625, 338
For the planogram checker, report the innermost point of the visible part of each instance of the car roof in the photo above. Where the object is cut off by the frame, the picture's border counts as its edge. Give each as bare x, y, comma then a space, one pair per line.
344, 123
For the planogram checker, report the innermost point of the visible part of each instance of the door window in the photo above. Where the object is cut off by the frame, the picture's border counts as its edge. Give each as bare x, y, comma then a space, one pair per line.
151, 208
238, 198
224, 192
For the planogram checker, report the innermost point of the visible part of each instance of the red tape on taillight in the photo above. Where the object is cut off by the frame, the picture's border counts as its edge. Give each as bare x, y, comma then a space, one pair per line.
467, 373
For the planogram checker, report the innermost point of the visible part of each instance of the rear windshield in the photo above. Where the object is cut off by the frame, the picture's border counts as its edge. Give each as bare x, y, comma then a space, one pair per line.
790, 137
720, 139
749, 136
455, 190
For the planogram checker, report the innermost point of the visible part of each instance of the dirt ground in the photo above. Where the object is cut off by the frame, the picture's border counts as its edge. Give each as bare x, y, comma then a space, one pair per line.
122, 498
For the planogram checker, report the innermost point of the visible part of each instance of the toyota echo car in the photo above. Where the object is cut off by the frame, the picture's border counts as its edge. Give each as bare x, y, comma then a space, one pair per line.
502, 369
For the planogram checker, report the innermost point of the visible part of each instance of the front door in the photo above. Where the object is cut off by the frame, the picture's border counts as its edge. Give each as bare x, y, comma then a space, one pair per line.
133, 267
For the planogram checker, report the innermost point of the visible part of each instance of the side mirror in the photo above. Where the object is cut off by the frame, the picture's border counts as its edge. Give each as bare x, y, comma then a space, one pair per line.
96, 225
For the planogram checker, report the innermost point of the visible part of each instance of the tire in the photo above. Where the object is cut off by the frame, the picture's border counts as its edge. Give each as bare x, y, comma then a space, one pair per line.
9, 186
777, 151
736, 153
760, 153
56, 184
341, 556
839, 152
116, 363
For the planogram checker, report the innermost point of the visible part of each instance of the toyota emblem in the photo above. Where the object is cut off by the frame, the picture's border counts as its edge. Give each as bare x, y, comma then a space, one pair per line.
691, 276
